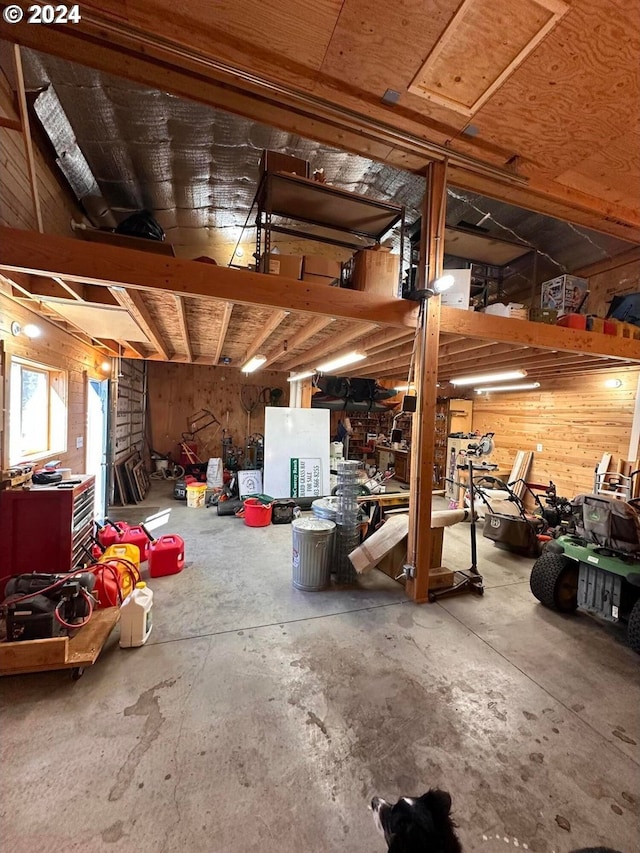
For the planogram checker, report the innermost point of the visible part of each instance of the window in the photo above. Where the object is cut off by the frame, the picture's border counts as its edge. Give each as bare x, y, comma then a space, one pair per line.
38, 411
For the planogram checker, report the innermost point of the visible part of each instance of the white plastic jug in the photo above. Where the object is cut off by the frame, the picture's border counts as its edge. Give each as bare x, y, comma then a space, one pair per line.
135, 617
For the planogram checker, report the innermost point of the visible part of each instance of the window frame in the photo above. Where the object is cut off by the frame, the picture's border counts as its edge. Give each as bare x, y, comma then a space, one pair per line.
57, 410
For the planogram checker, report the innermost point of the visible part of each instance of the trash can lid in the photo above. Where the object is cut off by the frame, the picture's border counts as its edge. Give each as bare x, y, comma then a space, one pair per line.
314, 524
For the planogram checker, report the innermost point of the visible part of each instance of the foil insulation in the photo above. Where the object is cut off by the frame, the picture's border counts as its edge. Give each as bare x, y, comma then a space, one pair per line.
123, 147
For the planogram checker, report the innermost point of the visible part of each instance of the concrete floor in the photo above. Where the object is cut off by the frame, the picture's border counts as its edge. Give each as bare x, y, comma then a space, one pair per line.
260, 719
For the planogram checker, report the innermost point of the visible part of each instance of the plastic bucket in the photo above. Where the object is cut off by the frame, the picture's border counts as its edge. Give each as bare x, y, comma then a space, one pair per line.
312, 549
196, 494
256, 514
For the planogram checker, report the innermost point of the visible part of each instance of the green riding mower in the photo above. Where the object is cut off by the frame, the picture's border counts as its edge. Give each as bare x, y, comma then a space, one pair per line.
597, 567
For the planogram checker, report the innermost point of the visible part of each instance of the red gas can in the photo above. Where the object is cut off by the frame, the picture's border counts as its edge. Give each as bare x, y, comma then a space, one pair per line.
112, 533
137, 536
166, 556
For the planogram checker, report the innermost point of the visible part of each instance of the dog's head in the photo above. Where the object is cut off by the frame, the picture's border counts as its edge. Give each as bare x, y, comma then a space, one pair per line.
417, 824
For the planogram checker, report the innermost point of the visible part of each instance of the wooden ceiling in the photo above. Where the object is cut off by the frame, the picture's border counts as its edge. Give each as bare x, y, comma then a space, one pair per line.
563, 117
200, 313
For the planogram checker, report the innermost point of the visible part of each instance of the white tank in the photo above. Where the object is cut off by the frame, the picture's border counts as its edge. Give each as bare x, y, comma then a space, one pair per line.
135, 617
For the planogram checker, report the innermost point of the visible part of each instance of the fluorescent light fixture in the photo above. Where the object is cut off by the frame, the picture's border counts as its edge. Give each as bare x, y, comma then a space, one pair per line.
31, 330
442, 283
254, 363
343, 361
489, 377
519, 386
613, 383
404, 388
305, 374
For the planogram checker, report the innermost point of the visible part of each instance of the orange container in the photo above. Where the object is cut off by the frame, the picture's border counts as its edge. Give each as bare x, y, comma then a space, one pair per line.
573, 321
256, 514
166, 556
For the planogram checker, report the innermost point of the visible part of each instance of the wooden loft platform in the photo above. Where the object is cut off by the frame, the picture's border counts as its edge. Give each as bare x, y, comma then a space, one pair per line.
192, 312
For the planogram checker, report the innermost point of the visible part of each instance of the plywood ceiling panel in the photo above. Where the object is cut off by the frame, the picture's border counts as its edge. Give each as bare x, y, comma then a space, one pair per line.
614, 170
204, 318
402, 33
575, 95
300, 34
97, 319
481, 47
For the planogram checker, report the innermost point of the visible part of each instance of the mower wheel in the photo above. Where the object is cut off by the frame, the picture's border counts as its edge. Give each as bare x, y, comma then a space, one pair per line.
554, 582
633, 627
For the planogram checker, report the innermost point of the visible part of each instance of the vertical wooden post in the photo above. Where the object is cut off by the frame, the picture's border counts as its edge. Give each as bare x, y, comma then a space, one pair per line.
420, 541
26, 133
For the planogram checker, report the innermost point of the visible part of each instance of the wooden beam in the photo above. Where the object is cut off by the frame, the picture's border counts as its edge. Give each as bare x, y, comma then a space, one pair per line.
222, 333
276, 318
184, 328
288, 346
74, 290
134, 304
420, 541
539, 335
10, 124
26, 133
76, 260
310, 358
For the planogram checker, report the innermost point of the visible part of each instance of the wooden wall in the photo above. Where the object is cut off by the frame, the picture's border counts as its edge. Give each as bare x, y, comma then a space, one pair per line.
57, 349
618, 280
16, 207
575, 420
177, 391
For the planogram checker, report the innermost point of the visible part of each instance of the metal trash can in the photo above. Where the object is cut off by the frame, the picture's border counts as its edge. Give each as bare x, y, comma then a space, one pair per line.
312, 548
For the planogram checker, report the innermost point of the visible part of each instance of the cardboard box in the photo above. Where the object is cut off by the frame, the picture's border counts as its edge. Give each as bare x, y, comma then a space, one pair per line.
319, 265
377, 272
274, 161
321, 279
566, 294
289, 266
512, 309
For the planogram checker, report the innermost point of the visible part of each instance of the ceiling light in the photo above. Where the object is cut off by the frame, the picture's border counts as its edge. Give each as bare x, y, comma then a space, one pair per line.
519, 386
336, 363
239, 253
105, 367
305, 374
613, 383
505, 376
31, 330
254, 363
444, 282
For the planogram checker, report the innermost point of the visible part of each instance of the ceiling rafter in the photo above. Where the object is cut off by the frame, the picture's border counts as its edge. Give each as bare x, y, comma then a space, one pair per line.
184, 327
300, 337
310, 357
133, 301
222, 332
272, 324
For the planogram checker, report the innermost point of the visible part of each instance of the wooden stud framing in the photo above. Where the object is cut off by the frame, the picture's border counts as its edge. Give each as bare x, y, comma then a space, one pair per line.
26, 133
184, 328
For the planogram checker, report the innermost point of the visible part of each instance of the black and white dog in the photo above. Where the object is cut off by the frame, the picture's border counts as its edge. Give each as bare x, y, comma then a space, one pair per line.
417, 824
424, 825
